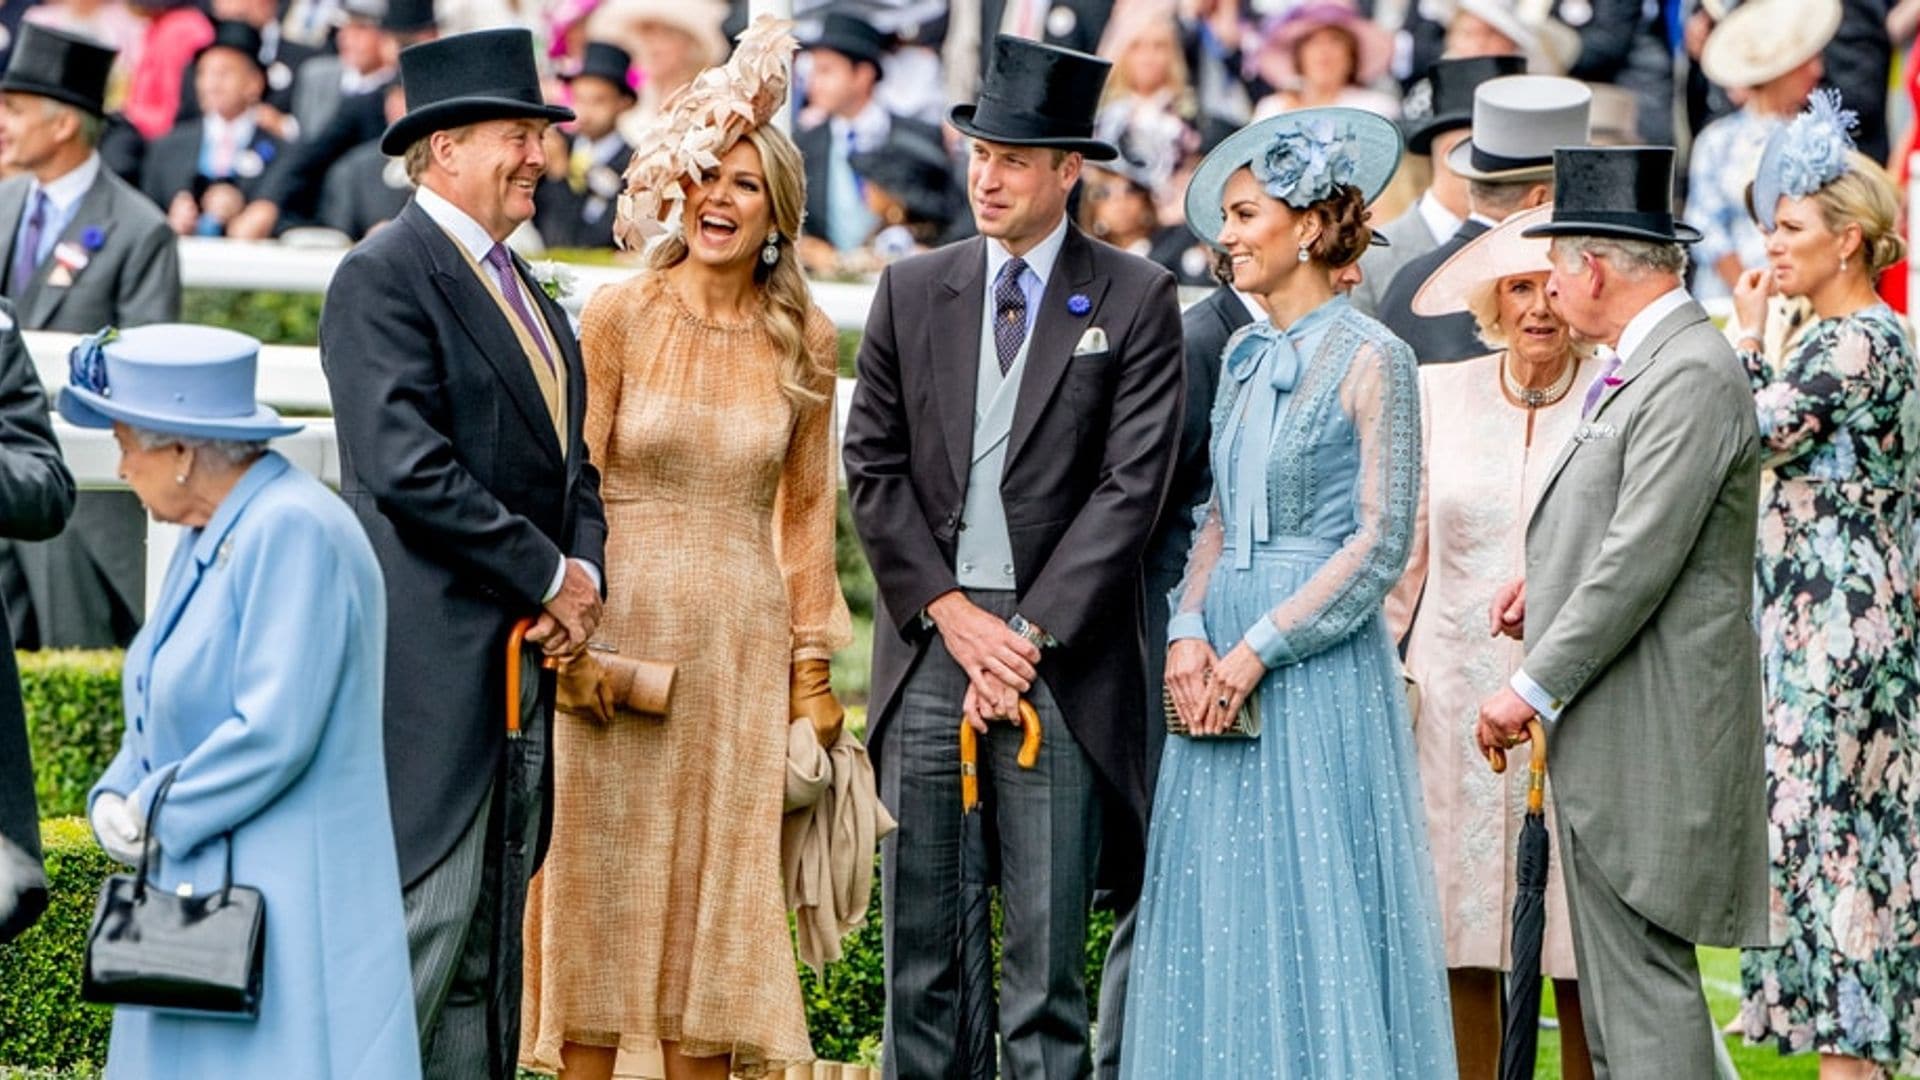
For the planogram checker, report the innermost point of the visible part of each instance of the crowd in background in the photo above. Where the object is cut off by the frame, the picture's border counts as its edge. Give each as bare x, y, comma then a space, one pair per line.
260, 118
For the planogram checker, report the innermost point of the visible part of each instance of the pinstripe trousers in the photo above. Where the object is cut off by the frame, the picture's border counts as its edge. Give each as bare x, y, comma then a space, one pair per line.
450, 915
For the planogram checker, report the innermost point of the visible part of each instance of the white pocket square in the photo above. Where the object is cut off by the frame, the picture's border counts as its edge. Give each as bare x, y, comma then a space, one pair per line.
1093, 341
1590, 432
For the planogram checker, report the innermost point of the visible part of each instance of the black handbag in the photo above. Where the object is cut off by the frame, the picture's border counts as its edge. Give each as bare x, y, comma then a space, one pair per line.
153, 948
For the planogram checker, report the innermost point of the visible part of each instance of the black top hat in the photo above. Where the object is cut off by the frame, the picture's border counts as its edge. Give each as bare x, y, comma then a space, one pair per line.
1624, 192
915, 170
1451, 84
1038, 95
605, 60
467, 78
408, 16
69, 68
852, 37
238, 36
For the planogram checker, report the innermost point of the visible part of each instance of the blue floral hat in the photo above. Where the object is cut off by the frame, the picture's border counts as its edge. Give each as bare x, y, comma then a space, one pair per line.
1804, 156
1299, 157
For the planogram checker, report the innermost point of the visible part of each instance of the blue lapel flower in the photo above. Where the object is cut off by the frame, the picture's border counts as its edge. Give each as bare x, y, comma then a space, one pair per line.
1079, 304
93, 238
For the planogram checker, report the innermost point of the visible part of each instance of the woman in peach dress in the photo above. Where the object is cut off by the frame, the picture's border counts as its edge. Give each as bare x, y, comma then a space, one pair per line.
659, 919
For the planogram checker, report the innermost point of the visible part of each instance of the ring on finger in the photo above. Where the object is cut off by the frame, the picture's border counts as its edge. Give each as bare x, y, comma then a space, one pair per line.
1223, 701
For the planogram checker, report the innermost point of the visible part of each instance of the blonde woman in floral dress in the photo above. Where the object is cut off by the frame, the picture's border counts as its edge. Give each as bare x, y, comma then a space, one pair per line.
659, 918
1841, 419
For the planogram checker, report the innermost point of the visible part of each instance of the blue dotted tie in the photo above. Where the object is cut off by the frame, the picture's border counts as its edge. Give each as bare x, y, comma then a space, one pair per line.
1009, 313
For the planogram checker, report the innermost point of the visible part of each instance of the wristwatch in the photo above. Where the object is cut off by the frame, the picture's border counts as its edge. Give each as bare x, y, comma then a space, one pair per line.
1040, 638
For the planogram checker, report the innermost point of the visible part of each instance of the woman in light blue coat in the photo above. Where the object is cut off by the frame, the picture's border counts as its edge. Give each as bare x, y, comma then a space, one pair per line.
256, 683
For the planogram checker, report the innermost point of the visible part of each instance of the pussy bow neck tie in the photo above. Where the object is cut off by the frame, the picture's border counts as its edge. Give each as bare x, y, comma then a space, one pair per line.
1266, 361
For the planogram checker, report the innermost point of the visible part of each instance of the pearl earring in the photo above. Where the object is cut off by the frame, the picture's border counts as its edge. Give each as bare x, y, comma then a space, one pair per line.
1304, 253
1843, 262
180, 478
771, 253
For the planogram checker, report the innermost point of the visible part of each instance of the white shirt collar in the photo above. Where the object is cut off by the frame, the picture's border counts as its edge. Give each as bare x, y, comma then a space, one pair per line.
1253, 306
1440, 221
67, 191
467, 232
870, 127
241, 126
603, 148
1039, 261
1638, 327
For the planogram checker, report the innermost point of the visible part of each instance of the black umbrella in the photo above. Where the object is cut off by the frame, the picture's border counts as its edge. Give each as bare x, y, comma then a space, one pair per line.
515, 806
974, 997
1519, 1043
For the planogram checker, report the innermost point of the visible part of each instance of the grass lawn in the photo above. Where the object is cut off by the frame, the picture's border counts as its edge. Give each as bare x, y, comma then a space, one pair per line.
1720, 971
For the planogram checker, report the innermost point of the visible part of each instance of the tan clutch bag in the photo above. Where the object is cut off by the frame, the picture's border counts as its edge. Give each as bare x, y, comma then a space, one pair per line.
602, 684
1245, 726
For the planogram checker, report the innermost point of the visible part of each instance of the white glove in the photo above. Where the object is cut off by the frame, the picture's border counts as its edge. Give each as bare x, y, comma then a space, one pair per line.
119, 829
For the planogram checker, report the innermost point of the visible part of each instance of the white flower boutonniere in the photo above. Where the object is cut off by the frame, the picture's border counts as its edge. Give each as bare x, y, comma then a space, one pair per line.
556, 280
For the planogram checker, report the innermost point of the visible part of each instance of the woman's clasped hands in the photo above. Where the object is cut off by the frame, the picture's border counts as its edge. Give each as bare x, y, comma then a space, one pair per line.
1207, 690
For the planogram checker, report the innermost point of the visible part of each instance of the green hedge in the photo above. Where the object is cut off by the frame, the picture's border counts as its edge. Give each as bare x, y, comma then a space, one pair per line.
47, 1026
73, 717
73, 723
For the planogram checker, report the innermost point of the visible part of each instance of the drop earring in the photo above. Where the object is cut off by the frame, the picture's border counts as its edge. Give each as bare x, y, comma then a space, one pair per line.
771, 253
1304, 253
1843, 264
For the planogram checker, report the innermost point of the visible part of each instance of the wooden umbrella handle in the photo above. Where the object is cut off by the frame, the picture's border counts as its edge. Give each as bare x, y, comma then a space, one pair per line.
1028, 757
517, 640
1536, 766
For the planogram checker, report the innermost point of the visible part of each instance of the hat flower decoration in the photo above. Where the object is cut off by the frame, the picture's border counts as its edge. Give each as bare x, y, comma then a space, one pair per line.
1304, 164
1814, 150
699, 124
1804, 156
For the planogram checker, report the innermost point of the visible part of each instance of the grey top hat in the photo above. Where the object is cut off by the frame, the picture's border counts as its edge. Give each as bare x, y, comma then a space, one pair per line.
1518, 122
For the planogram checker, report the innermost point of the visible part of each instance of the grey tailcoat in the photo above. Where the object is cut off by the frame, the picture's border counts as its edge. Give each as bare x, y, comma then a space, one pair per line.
1407, 238
1639, 616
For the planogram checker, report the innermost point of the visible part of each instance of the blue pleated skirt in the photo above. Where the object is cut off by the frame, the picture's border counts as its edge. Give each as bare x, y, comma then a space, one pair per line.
1288, 925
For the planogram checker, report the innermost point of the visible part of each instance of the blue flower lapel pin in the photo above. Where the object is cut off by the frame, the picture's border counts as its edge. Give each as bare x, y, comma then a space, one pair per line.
1079, 304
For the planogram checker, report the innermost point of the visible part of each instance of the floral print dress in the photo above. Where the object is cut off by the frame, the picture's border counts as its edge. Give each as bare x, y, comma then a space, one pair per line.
1841, 420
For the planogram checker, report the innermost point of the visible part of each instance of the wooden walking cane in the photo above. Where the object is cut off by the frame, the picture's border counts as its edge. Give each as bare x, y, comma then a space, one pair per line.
970, 753
517, 640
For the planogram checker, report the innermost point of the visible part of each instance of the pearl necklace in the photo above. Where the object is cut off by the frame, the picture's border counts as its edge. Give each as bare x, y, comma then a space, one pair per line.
1530, 398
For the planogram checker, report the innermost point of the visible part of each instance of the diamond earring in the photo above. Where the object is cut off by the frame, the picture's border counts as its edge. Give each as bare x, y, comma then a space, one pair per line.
1304, 253
771, 253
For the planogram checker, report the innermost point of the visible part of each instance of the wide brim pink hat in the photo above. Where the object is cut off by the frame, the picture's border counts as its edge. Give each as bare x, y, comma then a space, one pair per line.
1500, 252
1373, 46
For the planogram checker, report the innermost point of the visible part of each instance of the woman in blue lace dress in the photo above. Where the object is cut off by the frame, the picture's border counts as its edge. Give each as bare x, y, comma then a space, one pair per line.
1288, 926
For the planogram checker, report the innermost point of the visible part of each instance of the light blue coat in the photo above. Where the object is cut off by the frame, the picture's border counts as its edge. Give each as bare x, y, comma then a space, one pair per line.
259, 675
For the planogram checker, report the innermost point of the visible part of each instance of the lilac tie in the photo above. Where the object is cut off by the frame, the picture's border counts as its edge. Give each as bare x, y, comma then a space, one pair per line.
1009, 313
26, 257
1608, 370
516, 299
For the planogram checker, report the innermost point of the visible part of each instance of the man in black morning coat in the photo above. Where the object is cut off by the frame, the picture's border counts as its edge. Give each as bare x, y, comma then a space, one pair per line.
1013, 426
458, 395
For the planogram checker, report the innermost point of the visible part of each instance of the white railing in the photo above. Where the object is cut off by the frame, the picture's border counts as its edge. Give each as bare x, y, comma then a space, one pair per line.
271, 266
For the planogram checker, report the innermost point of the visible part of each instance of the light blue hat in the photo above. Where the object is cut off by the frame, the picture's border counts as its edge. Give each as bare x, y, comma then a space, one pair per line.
1298, 157
172, 378
1804, 155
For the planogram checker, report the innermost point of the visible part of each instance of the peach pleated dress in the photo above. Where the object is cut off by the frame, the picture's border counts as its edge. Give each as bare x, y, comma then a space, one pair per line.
659, 912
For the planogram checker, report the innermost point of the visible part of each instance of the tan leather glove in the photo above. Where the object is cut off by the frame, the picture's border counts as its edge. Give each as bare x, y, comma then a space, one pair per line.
810, 695
601, 685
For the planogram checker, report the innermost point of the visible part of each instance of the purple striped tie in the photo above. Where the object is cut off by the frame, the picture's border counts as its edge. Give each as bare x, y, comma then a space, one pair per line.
26, 258
516, 298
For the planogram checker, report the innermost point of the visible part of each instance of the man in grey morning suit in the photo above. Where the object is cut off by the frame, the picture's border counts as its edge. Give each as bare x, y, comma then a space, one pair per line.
1004, 482
1637, 614
85, 250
